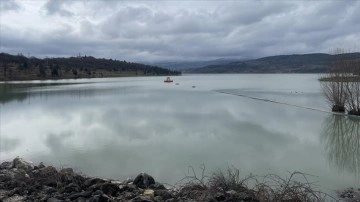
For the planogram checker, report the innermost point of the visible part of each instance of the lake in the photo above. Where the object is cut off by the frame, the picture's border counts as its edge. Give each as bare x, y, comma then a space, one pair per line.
119, 127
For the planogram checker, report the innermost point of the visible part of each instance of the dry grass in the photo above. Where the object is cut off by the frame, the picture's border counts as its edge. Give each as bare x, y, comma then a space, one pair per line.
271, 188
296, 187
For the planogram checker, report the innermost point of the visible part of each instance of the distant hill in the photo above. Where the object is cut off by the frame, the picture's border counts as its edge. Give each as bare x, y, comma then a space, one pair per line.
19, 67
181, 65
307, 63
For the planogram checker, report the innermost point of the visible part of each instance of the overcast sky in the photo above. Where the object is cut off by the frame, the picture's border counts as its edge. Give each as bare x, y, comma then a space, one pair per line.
177, 30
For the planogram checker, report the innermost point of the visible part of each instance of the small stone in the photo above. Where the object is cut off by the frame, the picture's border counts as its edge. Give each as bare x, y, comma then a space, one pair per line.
97, 192
165, 194
49, 171
68, 171
15, 191
92, 181
49, 190
129, 187
6, 165
100, 198
3, 194
54, 200
219, 196
127, 181
141, 199
231, 192
41, 165
15, 198
158, 198
149, 193
67, 175
115, 182
128, 195
81, 199
5, 177
110, 189
72, 187
84, 194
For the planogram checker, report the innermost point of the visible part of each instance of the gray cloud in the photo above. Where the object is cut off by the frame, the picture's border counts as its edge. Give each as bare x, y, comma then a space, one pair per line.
53, 7
169, 30
9, 5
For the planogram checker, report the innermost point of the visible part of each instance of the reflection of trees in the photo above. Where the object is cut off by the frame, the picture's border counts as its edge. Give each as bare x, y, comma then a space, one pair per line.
7, 94
341, 136
21, 92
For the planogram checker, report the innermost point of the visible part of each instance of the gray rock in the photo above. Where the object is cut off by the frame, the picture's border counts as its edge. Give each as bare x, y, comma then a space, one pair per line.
128, 195
100, 198
54, 200
84, 194
143, 180
141, 199
165, 194
97, 192
5, 177
72, 187
129, 187
80, 199
3, 194
6, 165
67, 175
21, 164
149, 193
127, 181
92, 181
158, 199
49, 171
41, 165
49, 190
110, 189
231, 192
220, 196
15, 198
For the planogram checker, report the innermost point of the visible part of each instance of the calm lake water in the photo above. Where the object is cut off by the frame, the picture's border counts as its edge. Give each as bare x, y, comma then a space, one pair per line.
119, 127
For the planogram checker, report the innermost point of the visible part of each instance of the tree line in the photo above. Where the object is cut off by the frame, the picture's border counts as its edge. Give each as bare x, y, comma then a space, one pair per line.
17, 67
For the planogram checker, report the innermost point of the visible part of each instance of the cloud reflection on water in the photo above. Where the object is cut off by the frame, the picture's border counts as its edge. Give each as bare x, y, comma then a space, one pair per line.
120, 129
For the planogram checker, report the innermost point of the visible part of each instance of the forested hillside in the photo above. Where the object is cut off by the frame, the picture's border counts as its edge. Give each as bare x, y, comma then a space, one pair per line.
19, 67
307, 63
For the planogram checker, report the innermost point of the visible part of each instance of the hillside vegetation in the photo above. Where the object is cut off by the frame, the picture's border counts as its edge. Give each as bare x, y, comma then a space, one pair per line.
19, 67
181, 65
308, 63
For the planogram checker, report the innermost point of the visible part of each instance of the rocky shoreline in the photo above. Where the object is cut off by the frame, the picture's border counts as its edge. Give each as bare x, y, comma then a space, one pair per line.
20, 180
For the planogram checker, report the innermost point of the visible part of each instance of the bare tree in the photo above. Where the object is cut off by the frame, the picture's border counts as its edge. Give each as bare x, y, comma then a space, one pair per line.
334, 83
353, 89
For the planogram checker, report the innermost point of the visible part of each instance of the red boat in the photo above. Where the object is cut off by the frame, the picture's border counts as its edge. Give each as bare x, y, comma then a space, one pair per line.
168, 80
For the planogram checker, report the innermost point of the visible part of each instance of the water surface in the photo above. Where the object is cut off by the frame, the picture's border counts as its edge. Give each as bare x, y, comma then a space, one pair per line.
118, 127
